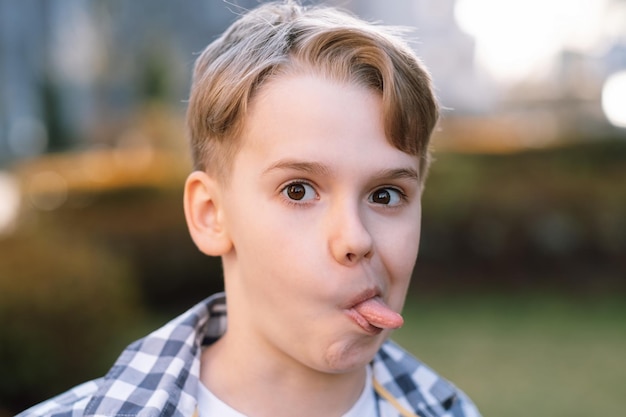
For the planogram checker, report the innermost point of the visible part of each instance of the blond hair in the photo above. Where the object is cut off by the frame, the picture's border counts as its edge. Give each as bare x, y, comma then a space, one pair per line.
281, 38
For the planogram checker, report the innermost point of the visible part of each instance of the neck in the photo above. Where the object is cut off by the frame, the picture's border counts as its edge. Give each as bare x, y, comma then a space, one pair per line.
258, 388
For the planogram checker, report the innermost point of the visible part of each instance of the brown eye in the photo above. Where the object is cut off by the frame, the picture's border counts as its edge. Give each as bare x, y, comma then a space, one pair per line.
387, 196
299, 191
296, 191
381, 197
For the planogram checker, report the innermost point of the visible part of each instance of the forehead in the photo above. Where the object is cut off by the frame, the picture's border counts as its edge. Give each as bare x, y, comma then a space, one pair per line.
309, 116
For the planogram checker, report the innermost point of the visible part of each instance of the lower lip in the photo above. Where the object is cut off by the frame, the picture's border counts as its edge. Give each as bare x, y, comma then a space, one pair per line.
363, 323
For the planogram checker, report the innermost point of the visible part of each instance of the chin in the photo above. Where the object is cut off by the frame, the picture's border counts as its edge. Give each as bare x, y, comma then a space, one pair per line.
343, 357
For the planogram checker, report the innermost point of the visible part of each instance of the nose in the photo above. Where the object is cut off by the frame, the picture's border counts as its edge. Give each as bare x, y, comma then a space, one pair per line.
350, 240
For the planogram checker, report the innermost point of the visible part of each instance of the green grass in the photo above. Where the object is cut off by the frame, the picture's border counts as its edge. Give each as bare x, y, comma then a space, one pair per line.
525, 356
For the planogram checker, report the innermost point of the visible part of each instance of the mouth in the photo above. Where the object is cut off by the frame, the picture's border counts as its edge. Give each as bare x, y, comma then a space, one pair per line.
372, 314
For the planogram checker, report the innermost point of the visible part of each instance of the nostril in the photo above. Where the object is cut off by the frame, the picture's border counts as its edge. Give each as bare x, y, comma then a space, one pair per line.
352, 257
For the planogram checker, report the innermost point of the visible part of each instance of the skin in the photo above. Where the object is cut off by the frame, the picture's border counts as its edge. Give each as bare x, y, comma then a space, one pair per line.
320, 210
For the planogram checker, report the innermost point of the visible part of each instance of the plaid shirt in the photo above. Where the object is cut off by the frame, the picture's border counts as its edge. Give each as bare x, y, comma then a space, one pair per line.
158, 376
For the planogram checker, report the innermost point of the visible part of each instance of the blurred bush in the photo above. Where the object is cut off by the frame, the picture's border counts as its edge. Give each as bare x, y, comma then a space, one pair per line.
147, 227
64, 304
83, 277
543, 219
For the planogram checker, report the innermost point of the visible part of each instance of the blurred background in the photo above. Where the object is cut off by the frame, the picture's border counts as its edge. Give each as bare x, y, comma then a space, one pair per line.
519, 294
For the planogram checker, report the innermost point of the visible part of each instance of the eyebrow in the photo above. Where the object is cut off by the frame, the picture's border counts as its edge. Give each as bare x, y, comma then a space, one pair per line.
398, 173
316, 168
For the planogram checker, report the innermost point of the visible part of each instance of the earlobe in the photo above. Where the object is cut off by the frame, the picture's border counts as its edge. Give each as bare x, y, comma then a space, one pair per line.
204, 214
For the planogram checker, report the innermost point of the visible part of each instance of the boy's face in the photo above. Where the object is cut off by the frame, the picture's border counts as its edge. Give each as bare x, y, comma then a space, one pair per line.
322, 212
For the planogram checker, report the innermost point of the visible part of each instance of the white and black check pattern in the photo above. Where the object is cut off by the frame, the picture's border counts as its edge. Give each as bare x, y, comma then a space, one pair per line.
158, 376
417, 387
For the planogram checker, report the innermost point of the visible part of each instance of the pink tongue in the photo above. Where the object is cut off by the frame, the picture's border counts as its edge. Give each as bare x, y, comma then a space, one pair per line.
378, 314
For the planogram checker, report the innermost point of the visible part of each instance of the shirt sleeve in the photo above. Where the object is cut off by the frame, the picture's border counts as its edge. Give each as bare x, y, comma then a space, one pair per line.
69, 404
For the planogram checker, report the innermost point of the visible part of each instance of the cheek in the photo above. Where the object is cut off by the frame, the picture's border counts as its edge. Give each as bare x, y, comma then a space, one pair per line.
399, 244
398, 252
278, 244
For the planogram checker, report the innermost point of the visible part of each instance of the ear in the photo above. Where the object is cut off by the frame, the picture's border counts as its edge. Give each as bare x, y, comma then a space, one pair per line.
204, 214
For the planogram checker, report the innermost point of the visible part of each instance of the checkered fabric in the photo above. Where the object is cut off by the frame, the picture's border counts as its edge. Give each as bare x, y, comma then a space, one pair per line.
417, 387
158, 376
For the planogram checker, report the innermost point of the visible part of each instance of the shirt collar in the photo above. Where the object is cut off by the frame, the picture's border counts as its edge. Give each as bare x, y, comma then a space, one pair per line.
158, 375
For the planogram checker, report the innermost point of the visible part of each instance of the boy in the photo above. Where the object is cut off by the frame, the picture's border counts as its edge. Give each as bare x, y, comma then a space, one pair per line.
309, 131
